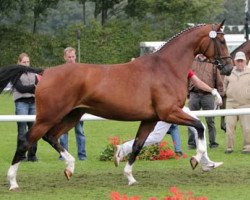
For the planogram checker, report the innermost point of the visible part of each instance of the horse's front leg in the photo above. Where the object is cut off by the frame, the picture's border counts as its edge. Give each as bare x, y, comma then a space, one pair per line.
199, 129
141, 136
200, 138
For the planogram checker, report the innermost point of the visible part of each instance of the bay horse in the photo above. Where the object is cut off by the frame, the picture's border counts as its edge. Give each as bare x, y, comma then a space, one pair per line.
150, 88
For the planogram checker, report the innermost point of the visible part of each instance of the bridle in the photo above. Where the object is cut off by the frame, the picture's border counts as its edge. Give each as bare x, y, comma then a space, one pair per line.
218, 59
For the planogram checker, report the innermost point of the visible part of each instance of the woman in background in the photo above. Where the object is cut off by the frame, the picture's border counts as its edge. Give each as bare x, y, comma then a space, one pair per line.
24, 97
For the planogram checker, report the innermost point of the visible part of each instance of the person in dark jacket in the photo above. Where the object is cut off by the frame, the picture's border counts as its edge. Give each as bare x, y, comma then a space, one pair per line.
24, 98
199, 99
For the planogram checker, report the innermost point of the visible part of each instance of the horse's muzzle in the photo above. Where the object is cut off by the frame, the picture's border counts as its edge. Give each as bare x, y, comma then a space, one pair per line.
226, 70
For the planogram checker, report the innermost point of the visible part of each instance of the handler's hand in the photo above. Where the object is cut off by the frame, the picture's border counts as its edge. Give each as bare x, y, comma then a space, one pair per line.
218, 99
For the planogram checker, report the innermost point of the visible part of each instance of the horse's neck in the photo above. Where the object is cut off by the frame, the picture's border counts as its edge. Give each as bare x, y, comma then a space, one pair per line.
181, 51
179, 54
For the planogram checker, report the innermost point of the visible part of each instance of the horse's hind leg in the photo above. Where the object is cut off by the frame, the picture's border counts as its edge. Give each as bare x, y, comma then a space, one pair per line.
69, 159
69, 121
141, 136
37, 131
32, 136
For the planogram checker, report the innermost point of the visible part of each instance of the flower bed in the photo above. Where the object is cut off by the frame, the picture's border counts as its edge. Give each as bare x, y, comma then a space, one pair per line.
176, 194
154, 152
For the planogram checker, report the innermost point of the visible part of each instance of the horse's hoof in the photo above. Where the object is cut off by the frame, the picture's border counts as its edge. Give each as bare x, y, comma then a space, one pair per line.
132, 183
193, 162
68, 174
16, 189
208, 168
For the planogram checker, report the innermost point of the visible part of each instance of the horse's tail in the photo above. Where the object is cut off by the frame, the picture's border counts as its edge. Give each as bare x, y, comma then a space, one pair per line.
11, 74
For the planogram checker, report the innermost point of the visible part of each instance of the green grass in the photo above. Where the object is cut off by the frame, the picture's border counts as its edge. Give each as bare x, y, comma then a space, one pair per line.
94, 179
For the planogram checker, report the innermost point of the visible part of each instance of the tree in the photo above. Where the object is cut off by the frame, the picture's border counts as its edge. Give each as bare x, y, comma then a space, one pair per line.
233, 12
102, 7
174, 15
83, 2
137, 8
39, 7
6, 6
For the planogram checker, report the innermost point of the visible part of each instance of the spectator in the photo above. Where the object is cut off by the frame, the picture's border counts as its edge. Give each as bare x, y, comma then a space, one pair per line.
70, 57
175, 135
198, 99
24, 97
238, 96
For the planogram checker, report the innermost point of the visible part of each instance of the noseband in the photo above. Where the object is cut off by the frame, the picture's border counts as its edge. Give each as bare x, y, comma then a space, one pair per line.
217, 58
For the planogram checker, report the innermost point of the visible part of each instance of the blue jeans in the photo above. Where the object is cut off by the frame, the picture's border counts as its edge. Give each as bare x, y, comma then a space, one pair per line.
80, 141
175, 134
23, 108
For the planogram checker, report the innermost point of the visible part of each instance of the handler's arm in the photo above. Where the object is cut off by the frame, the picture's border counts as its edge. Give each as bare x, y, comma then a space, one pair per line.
203, 86
200, 84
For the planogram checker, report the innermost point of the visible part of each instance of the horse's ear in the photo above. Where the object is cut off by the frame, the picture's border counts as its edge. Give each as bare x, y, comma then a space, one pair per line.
221, 24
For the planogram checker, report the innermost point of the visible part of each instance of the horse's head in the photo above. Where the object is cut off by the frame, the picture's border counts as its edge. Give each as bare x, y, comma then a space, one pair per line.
214, 47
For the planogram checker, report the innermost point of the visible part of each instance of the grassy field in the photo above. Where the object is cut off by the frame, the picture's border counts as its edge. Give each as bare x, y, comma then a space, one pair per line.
94, 179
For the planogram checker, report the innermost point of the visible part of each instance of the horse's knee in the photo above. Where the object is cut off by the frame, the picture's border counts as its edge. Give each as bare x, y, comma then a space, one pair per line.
136, 149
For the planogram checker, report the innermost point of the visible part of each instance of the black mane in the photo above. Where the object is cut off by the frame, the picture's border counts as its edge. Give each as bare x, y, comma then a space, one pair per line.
180, 33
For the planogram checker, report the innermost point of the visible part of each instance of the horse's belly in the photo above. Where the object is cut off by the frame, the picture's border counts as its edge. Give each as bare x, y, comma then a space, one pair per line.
122, 113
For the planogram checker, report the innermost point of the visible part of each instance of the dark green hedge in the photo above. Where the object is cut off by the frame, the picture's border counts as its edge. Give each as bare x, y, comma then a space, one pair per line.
117, 42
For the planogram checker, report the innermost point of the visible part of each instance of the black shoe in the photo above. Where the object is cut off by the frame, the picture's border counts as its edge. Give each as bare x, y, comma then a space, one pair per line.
178, 153
33, 159
24, 159
191, 146
223, 128
228, 151
213, 145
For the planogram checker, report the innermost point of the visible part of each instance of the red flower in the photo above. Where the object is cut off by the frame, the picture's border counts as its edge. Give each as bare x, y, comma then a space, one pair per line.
135, 198
177, 195
114, 140
124, 197
184, 156
170, 153
201, 198
114, 196
163, 144
152, 198
174, 190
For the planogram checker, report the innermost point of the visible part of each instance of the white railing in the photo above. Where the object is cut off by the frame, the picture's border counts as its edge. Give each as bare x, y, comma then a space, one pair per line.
86, 117
31, 118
